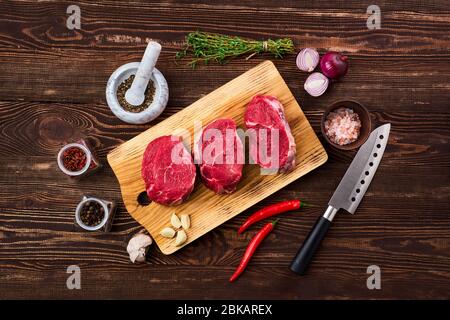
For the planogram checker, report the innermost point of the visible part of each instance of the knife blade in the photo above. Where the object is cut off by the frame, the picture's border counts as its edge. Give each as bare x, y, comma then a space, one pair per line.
359, 174
347, 195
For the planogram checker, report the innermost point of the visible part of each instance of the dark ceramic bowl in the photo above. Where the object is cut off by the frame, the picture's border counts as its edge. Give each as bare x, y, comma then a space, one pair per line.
364, 117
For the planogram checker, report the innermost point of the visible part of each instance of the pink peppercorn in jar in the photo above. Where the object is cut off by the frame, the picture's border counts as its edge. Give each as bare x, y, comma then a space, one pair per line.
77, 160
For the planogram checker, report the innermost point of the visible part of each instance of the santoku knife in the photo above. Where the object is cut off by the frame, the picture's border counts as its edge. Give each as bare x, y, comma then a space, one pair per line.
348, 194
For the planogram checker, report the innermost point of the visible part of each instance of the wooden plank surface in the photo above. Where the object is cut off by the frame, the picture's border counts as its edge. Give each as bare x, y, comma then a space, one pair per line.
52, 90
206, 209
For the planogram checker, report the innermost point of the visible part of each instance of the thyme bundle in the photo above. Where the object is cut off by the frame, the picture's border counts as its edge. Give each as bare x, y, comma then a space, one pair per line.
206, 47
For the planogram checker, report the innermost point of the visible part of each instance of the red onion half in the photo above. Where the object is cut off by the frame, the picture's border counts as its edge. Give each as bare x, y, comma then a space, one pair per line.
334, 65
316, 84
307, 59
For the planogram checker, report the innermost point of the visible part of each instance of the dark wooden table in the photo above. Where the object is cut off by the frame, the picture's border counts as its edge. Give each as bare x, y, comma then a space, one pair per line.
52, 90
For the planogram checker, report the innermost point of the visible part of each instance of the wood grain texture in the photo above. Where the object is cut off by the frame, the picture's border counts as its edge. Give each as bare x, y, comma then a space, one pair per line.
52, 84
206, 209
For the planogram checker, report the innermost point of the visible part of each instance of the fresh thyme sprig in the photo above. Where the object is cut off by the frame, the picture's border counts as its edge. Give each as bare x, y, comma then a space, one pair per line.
206, 47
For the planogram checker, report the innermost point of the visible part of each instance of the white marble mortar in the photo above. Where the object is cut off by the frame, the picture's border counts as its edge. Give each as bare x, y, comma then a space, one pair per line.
157, 106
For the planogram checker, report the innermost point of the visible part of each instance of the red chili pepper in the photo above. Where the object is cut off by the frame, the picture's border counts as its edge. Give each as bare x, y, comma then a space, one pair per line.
251, 248
270, 211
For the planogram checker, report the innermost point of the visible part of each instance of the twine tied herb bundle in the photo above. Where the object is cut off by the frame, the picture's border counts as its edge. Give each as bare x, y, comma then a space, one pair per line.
206, 47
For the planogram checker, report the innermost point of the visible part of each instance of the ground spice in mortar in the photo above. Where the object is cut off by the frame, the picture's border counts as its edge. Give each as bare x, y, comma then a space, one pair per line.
92, 213
123, 88
74, 159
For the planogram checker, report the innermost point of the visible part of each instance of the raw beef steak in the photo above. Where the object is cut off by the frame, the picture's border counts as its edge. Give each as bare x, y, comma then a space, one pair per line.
220, 155
168, 171
265, 114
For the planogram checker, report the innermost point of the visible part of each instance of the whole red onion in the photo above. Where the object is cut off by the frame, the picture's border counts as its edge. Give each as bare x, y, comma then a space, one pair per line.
334, 65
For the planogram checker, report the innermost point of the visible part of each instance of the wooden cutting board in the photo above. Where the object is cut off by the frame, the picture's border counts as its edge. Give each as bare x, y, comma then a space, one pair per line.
207, 209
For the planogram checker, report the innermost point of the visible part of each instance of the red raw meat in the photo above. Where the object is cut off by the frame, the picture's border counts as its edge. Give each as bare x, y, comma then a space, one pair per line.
168, 171
265, 114
220, 155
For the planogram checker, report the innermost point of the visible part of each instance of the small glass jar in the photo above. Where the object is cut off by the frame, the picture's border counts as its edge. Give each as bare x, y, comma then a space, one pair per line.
109, 209
92, 164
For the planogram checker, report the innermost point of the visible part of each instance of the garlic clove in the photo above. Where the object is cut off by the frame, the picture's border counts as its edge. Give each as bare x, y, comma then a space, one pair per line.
181, 238
185, 221
175, 221
167, 232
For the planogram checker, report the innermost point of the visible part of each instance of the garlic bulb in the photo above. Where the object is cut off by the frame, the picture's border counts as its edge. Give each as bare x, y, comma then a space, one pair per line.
138, 246
307, 59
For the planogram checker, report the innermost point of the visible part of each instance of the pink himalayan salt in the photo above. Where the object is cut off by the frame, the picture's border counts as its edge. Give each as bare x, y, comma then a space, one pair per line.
342, 126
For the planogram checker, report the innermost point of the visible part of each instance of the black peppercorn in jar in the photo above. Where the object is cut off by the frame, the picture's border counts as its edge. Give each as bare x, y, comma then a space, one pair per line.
94, 214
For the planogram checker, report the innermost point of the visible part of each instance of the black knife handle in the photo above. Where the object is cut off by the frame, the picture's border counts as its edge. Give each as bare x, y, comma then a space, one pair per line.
310, 246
